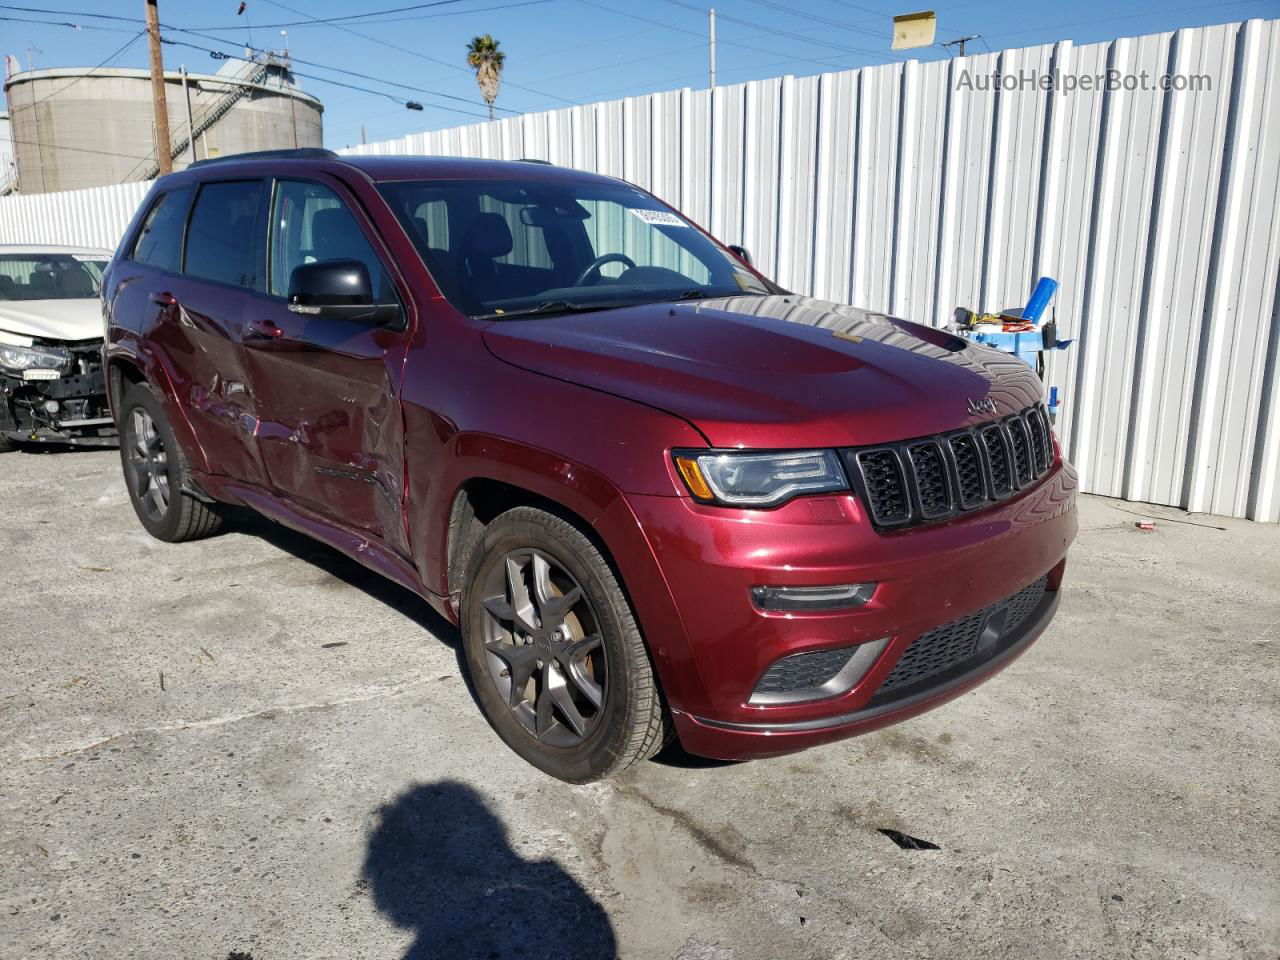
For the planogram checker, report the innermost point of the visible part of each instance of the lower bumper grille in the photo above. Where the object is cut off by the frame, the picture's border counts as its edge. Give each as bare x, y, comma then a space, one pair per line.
952, 644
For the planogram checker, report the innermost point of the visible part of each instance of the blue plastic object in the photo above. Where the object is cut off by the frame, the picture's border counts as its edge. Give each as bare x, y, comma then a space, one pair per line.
1046, 287
1025, 346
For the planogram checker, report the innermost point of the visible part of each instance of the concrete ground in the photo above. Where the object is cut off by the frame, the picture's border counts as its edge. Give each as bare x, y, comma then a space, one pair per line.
250, 747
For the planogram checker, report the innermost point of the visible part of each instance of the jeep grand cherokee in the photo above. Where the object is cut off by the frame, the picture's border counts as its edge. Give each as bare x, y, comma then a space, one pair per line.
660, 496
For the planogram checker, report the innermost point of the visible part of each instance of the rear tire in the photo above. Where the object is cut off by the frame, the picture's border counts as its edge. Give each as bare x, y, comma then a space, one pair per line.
553, 651
156, 472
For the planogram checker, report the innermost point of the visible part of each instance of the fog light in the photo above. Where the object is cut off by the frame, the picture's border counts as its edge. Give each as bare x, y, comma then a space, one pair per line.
812, 599
51, 407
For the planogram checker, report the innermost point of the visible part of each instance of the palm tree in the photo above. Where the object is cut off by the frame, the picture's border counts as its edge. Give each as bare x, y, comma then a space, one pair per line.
484, 57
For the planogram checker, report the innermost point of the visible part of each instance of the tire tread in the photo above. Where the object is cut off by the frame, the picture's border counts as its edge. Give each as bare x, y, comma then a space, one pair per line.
196, 520
648, 724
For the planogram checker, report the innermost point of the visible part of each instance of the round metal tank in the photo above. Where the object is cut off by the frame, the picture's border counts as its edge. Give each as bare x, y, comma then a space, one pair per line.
76, 127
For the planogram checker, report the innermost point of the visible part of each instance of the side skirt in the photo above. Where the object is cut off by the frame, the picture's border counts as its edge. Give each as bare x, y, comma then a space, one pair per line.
359, 547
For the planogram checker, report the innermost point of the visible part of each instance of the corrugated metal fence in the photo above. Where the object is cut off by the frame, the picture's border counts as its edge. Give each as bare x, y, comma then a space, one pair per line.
913, 188
85, 218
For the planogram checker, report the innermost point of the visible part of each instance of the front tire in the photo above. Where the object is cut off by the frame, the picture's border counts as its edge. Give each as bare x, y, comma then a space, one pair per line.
553, 651
155, 471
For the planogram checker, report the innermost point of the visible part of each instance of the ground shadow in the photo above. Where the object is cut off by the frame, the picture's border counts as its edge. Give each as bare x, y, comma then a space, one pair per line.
674, 755
350, 572
439, 864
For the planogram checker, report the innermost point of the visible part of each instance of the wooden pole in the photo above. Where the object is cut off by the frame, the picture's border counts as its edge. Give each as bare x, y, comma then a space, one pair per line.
164, 152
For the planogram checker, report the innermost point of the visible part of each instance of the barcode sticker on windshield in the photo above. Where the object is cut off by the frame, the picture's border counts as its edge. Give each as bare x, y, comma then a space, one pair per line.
89, 258
659, 218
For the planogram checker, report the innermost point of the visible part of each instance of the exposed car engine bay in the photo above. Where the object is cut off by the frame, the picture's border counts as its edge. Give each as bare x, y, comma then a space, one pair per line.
52, 387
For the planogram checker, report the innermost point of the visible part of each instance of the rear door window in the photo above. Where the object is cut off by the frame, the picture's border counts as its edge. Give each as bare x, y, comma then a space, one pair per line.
159, 242
221, 236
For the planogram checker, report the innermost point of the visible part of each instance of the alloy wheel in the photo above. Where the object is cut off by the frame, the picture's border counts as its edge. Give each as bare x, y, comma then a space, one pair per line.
149, 464
544, 647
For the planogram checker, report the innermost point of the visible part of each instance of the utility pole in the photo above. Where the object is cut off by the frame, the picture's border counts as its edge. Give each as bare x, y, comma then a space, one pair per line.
713, 48
961, 41
164, 152
191, 127
287, 68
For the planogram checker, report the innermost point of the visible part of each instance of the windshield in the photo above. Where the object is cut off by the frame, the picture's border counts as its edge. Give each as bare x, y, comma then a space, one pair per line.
50, 276
505, 248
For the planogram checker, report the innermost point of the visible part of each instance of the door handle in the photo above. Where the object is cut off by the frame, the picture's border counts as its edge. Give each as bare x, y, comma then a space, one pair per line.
165, 299
262, 330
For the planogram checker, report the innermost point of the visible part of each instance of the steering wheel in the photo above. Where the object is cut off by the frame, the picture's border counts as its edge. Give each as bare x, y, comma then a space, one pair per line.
594, 267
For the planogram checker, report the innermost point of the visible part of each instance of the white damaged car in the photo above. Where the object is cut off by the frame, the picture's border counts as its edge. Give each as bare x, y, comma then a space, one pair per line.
52, 388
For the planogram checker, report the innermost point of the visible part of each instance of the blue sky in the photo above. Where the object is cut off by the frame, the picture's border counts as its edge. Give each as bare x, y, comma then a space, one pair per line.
563, 51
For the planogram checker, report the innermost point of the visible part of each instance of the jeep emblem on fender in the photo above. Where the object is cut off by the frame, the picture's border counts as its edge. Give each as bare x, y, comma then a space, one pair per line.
985, 405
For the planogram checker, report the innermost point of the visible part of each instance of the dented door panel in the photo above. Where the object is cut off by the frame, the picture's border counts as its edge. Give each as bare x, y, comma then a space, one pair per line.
329, 426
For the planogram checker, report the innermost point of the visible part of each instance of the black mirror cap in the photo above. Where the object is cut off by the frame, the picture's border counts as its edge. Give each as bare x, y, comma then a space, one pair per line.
340, 289
331, 283
741, 252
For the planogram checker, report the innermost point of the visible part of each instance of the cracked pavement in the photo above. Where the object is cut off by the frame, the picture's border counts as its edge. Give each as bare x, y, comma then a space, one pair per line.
250, 746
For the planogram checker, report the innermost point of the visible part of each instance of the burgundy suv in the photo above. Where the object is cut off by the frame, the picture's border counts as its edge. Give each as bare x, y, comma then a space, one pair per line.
660, 496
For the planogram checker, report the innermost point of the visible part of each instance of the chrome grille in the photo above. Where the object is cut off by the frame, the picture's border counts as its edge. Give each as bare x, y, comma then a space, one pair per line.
927, 479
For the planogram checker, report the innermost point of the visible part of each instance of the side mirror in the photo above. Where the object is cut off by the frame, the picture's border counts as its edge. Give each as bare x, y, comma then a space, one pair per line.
741, 252
340, 289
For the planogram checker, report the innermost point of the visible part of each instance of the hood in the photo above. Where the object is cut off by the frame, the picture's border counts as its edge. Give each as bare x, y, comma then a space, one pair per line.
777, 371
52, 319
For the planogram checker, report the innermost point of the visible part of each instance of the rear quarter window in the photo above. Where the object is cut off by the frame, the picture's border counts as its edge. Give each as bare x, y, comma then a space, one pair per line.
159, 241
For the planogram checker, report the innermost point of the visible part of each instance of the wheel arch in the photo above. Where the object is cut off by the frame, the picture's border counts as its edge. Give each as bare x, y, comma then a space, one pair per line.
609, 523
126, 367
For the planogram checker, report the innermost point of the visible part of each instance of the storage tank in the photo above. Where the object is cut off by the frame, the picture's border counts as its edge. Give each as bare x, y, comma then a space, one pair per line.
81, 127
8, 170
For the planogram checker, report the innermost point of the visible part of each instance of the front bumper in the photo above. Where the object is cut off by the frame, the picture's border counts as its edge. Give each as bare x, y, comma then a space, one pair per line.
926, 577
81, 416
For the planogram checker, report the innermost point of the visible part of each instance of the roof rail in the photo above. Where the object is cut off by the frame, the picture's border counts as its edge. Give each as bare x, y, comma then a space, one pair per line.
300, 153
547, 163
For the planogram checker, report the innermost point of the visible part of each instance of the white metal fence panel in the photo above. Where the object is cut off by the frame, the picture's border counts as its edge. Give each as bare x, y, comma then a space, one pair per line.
906, 189
86, 218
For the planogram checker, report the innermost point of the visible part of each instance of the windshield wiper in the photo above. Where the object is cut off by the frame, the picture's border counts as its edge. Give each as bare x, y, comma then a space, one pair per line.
553, 306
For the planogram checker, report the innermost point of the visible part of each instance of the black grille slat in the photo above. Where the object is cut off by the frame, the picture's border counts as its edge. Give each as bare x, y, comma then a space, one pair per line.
927, 479
886, 486
951, 644
1020, 444
930, 472
964, 452
1039, 438
998, 459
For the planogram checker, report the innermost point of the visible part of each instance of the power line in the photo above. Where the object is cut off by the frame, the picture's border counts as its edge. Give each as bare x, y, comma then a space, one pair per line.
423, 56
117, 52
350, 73
59, 146
353, 16
787, 33
623, 63
1127, 16
66, 23
336, 83
826, 61
828, 21
341, 21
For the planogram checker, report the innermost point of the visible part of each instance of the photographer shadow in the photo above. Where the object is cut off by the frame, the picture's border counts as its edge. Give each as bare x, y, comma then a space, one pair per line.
438, 863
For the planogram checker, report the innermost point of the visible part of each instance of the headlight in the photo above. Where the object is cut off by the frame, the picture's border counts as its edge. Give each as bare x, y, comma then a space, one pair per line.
740, 479
34, 358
